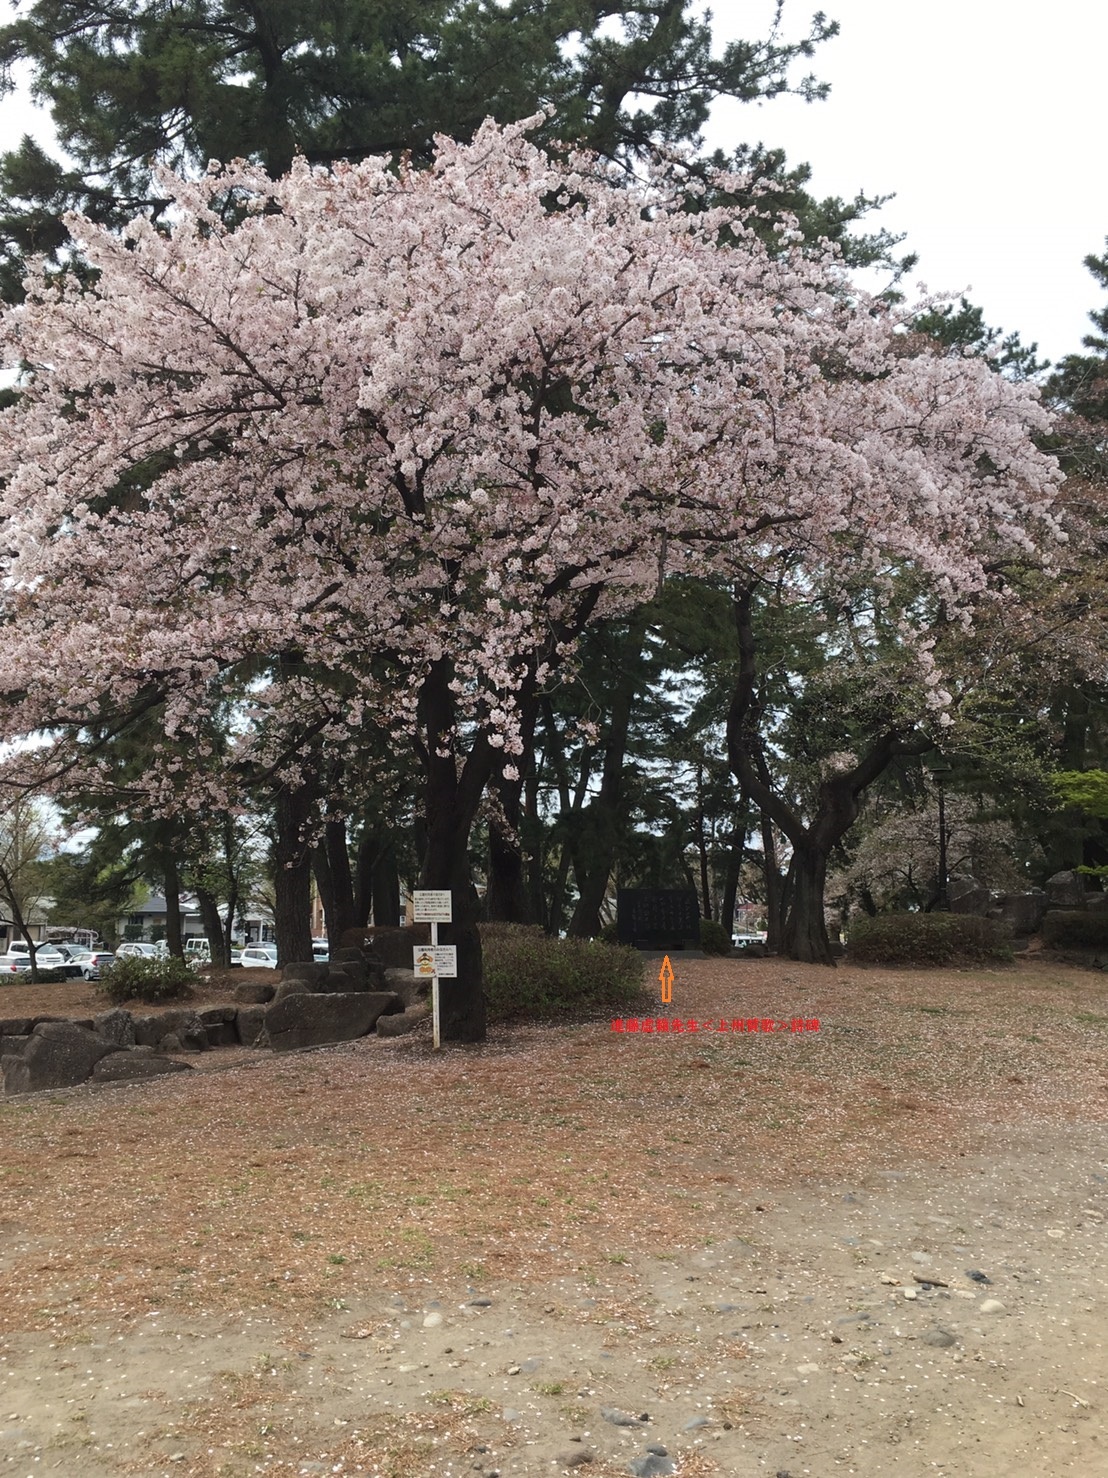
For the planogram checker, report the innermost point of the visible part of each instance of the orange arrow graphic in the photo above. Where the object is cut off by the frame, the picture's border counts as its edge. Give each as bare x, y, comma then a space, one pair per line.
665, 975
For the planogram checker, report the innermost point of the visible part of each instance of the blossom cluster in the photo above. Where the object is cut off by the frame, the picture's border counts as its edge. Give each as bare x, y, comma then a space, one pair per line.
371, 420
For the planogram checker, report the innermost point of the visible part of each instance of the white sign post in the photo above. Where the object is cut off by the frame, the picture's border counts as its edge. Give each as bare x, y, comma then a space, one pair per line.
433, 906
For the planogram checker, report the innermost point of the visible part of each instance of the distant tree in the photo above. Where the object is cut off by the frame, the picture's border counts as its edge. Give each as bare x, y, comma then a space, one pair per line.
27, 836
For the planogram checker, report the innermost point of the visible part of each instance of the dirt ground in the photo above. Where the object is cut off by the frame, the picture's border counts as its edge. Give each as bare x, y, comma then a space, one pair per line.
875, 1247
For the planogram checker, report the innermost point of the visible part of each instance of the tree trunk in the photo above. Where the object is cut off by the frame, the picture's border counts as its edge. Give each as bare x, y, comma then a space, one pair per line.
386, 886
773, 885
334, 879
837, 804
213, 927
174, 941
735, 855
506, 899
702, 848
506, 896
453, 794
805, 932
292, 880
595, 854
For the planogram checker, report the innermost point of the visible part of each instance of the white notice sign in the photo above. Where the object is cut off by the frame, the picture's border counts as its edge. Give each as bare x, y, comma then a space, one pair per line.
431, 906
435, 959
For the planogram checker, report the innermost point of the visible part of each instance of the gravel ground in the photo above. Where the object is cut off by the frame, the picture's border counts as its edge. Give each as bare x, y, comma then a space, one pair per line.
873, 1248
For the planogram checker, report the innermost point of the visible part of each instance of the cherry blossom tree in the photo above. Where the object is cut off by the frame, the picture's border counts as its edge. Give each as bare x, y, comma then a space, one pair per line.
377, 445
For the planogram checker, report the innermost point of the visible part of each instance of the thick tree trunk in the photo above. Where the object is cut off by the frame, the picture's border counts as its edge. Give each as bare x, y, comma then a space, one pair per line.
386, 886
773, 883
174, 941
453, 794
805, 932
506, 897
334, 879
836, 805
292, 875
595, 854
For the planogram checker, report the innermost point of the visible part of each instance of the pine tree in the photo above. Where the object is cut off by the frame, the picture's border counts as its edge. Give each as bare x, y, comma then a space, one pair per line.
131, 85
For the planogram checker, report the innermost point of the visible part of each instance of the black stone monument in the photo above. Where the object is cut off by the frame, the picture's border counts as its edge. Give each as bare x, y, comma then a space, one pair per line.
658, 918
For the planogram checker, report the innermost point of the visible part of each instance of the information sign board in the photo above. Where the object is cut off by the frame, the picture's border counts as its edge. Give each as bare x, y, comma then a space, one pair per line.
431, 906
435, 959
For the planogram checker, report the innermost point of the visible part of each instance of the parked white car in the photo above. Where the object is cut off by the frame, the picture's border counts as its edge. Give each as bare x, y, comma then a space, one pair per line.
321, 951
18, 958
132, 949
259, 956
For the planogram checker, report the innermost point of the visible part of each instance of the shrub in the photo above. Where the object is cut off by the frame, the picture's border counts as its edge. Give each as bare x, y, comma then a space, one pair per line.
138, 979
1065, 930
714, 938
528, 974
45, 977
929, 939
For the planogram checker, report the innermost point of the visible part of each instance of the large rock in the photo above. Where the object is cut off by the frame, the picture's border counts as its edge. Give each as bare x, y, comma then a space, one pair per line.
967, 895
130, 1067
309, 971
16, 1026
400, 1025
1022, 912
59, 1054
411, 988
116, 1026
391, 947
219, 1025
254, 993
313, 1020
250, 1026
344, 979
293, 988
1067, 890
185, 1026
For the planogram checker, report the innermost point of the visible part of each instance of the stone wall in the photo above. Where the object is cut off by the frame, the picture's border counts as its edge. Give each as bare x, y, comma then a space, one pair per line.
310, 1006
1065, 891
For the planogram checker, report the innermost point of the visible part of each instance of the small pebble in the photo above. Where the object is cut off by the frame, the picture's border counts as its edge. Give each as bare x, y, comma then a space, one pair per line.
432, 1321
940, 1339
622, 1418
991, 1306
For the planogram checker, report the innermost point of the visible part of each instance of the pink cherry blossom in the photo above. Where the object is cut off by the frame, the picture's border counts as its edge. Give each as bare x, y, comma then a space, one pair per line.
381, 418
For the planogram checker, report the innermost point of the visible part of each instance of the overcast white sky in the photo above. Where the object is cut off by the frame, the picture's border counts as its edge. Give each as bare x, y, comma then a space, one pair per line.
984, 117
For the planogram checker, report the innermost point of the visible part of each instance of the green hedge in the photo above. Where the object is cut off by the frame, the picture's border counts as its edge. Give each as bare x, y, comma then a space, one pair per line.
929, 939
714, 938
140, 979
528, 974
1064, 930
45, 977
